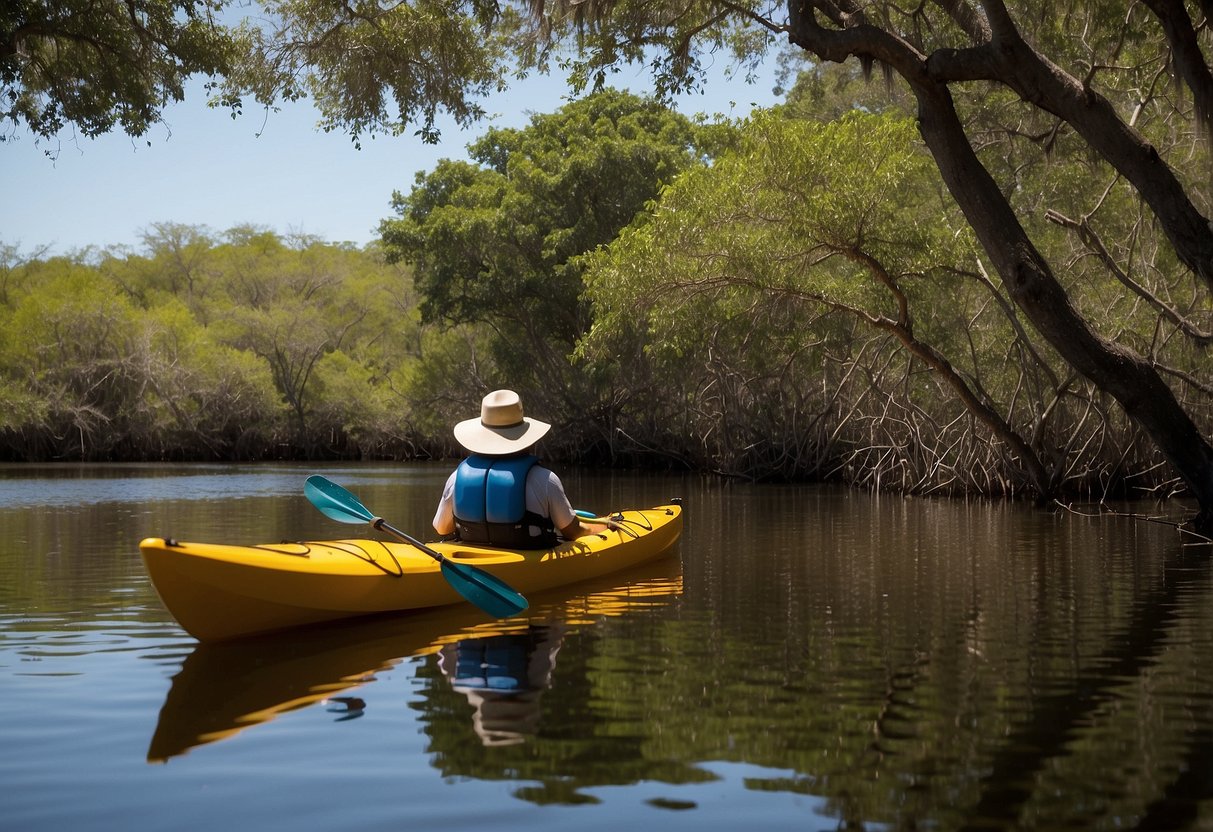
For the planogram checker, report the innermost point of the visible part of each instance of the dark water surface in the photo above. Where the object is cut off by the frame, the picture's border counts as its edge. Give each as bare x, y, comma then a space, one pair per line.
809, 658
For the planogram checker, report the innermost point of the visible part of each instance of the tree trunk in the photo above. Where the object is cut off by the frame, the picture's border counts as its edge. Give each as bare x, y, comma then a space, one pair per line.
1129, 378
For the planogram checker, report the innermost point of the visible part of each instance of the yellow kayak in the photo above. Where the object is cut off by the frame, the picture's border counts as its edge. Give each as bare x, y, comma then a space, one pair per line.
219, 592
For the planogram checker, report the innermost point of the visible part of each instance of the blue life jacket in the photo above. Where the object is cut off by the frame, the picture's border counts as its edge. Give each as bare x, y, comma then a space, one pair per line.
490, 504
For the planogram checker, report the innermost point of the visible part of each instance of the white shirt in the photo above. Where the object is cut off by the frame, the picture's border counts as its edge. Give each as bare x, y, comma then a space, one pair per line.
544, 495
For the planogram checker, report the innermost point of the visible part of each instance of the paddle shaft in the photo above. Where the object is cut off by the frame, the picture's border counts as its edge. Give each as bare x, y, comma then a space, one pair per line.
382, 525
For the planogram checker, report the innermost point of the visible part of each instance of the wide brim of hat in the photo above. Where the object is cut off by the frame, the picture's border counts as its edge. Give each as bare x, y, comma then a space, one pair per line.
473, 435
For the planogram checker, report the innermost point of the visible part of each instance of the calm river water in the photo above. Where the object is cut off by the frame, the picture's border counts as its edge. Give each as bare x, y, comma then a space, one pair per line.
809, 658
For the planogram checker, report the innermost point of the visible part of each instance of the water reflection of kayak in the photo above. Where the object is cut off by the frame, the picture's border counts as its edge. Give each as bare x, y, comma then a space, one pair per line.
223, 689
219, 592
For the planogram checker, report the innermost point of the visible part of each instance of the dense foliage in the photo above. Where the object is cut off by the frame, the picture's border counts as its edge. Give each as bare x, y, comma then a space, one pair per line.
814, 305
1071, 139
99, 64
802, 302
251, 345
244, 345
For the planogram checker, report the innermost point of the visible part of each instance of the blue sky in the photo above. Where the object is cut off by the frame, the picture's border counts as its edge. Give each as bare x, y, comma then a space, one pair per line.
275, 169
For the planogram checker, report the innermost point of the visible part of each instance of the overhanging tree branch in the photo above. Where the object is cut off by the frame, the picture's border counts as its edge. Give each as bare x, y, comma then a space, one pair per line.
1028, 277
1186, 55
1095, 245
1008, 59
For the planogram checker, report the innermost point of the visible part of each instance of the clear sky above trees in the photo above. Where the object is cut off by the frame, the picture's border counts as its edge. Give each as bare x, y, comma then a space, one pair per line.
274, 169
201, 166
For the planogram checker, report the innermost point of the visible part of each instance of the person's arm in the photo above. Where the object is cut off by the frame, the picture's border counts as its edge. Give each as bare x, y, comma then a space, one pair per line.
578, 529
561, 511
444, 518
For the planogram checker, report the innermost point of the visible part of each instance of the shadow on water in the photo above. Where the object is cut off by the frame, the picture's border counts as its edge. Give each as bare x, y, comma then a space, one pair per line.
226, 688
1058, 719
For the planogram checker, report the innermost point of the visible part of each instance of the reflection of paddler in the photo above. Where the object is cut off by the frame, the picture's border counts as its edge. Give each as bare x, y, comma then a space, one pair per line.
503, 678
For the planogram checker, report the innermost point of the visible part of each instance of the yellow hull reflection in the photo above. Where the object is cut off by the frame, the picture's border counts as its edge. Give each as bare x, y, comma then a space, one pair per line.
223, 689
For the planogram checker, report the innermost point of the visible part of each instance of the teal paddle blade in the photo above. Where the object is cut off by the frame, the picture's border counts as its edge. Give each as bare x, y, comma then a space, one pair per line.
484, 590
491, 594
335, 502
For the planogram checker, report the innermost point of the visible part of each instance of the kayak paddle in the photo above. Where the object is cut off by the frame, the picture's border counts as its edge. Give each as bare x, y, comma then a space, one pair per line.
491, 594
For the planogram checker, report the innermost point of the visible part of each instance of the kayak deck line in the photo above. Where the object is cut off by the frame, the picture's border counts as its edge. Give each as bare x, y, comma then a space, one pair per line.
355, 549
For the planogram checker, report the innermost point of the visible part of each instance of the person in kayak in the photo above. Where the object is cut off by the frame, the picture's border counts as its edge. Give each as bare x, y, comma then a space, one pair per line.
500, 495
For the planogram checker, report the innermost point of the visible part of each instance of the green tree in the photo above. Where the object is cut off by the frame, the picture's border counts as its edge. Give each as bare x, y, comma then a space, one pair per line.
289, 306
359, 395
954, 44
494, 241
97, 64
178, 262
206, 395
372, 68
75, 354
802, 217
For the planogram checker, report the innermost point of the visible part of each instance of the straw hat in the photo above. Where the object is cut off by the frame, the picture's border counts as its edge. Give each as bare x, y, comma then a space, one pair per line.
501, 428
